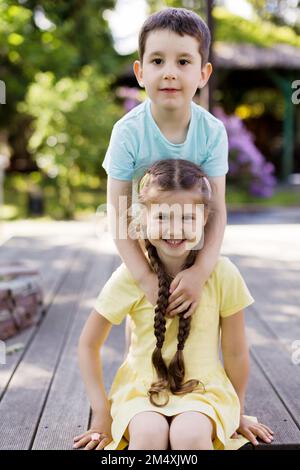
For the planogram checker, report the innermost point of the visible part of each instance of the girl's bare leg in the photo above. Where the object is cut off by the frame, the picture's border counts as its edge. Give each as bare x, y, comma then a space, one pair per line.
148, 431
191, 430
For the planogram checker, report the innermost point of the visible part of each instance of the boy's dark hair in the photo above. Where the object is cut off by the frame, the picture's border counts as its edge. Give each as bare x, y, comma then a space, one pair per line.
180, 21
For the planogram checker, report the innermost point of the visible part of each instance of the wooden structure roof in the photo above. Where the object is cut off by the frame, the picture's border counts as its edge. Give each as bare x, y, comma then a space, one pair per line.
250, 56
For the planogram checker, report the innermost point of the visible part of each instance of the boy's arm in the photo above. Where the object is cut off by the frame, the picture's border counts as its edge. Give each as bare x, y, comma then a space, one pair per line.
128, 248
214, 230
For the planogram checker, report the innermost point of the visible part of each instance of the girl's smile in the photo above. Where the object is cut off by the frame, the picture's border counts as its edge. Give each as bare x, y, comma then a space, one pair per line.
174, 243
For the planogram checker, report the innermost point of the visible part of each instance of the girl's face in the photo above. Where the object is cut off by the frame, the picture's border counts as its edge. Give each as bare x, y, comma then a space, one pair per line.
172, 69
175, 224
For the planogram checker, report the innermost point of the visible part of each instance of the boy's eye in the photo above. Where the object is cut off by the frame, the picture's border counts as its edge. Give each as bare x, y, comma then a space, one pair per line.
183, 60
158, 61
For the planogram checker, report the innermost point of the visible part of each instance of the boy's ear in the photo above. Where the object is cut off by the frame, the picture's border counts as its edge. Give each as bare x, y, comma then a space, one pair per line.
206, 72
138, 72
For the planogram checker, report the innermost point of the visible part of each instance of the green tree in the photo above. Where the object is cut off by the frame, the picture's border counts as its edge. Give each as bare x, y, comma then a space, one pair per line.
280, 12
72, 122
196, 5
58, 62
71, 35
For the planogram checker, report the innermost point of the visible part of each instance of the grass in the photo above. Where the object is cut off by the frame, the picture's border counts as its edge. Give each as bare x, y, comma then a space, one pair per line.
87, 200
284, 196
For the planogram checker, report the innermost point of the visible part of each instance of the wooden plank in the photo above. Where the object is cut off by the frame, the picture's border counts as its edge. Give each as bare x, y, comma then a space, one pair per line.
12, 360
273, 324
263, 402
285, 429
41, 253
23, 401
66, 412
276, 364
52, 275
275, 288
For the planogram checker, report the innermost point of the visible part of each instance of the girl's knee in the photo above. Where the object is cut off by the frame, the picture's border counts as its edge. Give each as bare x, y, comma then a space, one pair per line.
148, 430
192, 441
191, 430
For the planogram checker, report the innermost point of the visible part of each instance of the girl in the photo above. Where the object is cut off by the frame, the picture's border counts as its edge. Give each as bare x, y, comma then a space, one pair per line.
171, 391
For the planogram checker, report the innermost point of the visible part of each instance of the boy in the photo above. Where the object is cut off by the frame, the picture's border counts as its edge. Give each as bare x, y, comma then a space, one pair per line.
173, 52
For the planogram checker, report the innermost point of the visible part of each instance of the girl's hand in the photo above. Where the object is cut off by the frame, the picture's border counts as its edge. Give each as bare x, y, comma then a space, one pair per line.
102, 427
186, 291
251, 430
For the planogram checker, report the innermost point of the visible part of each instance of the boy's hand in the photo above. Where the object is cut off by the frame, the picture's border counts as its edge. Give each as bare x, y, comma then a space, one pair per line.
100, 431
251, 430
186, 291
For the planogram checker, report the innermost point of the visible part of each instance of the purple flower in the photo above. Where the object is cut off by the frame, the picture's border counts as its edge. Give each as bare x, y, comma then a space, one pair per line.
248, 168
130, 103
131, 97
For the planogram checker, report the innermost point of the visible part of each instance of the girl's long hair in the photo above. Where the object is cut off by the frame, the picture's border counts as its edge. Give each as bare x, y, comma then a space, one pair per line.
170, 175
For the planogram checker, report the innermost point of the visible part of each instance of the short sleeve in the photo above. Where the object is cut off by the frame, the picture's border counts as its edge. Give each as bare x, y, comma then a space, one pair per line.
234, 293
216, 162
118, 296
119, 158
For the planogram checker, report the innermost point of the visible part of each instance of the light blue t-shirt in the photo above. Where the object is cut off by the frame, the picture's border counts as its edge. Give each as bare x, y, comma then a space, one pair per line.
136, 142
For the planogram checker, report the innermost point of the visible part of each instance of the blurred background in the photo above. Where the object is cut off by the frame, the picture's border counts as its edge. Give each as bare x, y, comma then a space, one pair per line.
66, 77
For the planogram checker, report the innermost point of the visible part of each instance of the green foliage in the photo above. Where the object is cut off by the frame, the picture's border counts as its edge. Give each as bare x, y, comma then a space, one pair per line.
76, 35
57, 73
278, 11
268, 29
86, 197
60, 110
195, 5
283, 196
232, 28
72, 123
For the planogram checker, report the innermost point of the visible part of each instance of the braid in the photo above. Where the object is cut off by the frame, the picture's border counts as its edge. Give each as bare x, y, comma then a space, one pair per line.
177, 367
172, 377
159, 324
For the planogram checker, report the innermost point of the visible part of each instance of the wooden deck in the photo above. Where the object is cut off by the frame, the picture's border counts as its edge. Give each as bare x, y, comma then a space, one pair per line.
42, 399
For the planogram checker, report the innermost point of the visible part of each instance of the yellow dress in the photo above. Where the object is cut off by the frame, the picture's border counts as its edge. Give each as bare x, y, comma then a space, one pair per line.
224, 294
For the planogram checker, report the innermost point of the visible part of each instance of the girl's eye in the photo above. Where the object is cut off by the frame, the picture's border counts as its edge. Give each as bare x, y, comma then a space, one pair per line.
155, 60
183, 60
164, 217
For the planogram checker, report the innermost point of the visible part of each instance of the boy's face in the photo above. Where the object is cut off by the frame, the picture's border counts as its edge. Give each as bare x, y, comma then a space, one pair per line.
172, 69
